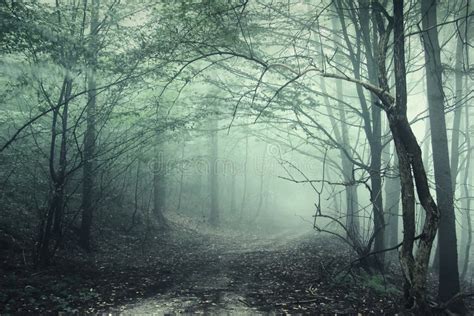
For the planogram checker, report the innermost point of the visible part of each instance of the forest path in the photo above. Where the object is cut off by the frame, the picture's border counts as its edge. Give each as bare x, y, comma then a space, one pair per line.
202, 271
223, 276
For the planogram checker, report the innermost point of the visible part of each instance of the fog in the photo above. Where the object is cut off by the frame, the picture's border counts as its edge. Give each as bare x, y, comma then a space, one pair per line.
236, 157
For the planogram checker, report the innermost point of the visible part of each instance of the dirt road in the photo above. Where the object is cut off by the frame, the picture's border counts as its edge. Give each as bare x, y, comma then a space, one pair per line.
221, 279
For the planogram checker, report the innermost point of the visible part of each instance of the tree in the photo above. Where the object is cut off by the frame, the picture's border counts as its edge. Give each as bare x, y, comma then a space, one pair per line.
160, 169
411, 168
51, 226
342, 136
89, 166
460, 105
448, 256
392, 201
213, 171
371, 114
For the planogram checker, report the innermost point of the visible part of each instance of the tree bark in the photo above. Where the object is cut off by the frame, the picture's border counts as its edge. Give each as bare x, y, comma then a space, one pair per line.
467, 197
414, 267
181, 178
448, 256
213, 173
350, 189
233, 205
262, 181
51, 226
392, 201
244, 194
375, 137
159, 192
458, 81
371, 119
90, 136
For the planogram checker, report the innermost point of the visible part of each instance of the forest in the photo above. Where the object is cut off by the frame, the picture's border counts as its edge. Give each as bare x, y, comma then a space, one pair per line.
247, 157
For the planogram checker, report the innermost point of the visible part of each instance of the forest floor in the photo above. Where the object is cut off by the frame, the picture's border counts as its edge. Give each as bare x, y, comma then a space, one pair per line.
193, 271
287, 272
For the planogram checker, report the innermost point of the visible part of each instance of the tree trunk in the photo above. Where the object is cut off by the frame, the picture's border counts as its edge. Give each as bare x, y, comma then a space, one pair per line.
458, 80
426, 161
392, 201
371, 120
375, 137
90, 136
159, 192
457, 111
448, 256
466, 196
467, 223
411, 168
342, 136
213, 174
262, 181
51, 227
60, 182
233, 205
181, 178
244, 194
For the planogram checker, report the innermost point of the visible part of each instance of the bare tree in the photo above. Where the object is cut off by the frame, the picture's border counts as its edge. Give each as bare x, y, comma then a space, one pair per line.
90, 133
213, 170
448, 256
